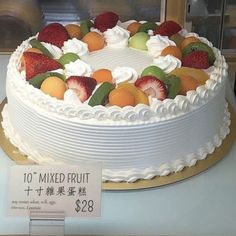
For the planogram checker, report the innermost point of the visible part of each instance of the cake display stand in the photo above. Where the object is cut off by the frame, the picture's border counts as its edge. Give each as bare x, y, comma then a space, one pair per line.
14, 154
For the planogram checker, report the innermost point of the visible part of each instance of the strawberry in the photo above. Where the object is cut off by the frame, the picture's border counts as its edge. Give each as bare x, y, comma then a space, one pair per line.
168, 28
54, 33
106, 20
36, 63
82, 85
196, 59
152, 86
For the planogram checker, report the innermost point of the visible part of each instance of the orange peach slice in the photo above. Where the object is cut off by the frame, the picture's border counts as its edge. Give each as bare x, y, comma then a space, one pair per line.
188, 40
133, 27
94, 40
102, 75
172, 50
139, 95
121, 97
198, 74
54, 86
177, 38
187, 83
74, 31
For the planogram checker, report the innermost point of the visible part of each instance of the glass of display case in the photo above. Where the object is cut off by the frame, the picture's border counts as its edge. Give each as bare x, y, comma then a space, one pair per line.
21, 19
215, 20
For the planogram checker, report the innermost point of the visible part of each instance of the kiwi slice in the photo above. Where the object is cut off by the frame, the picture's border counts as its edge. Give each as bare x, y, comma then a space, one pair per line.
154, 71
67, 58
85, 26
101, 94
147, 26
37, 44
200, 46
173, 84
37, 80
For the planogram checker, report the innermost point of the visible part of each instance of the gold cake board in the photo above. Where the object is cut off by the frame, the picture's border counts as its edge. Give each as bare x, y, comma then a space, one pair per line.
157, 181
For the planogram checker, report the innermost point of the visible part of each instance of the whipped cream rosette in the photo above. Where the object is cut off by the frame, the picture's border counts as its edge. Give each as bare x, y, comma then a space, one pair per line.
157, 43
167, 63
124, 74
117, 37
76, 46
78, 67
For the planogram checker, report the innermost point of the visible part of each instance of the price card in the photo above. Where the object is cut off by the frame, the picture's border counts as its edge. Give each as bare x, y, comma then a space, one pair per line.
76, 190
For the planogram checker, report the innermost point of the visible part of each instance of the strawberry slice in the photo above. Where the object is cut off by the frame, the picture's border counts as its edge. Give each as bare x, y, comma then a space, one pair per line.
106, 20
152, 86
196, 59
36, 63
54, 33
168, 28
82, 85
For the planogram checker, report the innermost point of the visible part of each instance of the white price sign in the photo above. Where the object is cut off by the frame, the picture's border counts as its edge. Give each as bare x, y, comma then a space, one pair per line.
76, 190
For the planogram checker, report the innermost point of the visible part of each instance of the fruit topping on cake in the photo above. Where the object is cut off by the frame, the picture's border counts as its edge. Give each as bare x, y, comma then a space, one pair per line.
196, 59
178, 62
54, 86
139, 96
94, 40
200, 75
173, 84
178, 39
168, 28
74, 31
145, 27
36, 63
102, 75
38, 79
106, 20
121, 97
172, 50
133, 27
36, 50
154, 71
83, 86
138, 41
85, 27
54, 33
186, 41
100, 96
38, 45
67, 58
152, 86
188, 83
200, 46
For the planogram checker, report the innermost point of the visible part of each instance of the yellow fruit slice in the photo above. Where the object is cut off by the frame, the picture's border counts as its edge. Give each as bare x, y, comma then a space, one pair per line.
121, 97
198, 74
54, 86
139, 95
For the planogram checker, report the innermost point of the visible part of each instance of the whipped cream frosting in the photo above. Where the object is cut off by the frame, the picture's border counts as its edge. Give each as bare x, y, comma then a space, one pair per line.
157, 43
78, 67
130, 174
167, 63
117, 37
71, 97
124, 74
76, 46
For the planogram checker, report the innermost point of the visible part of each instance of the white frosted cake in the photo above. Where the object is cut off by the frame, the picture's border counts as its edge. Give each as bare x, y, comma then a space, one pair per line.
153, 132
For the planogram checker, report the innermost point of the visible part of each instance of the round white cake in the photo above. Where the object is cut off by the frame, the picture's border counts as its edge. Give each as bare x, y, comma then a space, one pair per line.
132, 142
